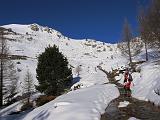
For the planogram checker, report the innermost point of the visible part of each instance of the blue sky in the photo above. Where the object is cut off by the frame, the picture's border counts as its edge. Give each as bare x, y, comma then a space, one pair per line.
96, 19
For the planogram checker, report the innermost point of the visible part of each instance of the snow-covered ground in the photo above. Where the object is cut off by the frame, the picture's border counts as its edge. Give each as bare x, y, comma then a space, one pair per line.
89, 102
147, 82
83, 104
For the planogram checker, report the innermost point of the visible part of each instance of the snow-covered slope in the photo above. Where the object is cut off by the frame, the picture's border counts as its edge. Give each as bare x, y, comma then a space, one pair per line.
90, 101
81, 104
31, 40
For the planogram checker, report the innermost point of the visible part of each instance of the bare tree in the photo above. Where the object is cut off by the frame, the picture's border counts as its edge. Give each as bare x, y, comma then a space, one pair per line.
144, 30
10, 81
153, 18
129, 47
3, 54
78, 69
127, 36
28, 86
8, 77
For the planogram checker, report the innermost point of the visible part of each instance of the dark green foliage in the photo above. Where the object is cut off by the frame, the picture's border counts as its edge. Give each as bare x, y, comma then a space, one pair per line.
53, 73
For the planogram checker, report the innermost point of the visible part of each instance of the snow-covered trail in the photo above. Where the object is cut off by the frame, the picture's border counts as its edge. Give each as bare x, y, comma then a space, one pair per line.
125, 107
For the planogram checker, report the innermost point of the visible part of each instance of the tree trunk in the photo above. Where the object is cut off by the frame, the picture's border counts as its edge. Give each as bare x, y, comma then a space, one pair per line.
1, 84
146, 51
129, 50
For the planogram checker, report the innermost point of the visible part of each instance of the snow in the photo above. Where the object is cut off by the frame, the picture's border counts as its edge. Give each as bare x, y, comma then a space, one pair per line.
81, 104
123, 104
146, 82
12, 108
89, 54
15, 107
88, 102
133, 118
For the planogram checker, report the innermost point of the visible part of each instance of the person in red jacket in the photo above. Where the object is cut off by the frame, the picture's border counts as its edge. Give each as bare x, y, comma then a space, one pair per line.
127, 82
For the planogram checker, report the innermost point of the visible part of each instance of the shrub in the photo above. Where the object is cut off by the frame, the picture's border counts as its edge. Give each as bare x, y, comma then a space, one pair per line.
27, 106
43, 99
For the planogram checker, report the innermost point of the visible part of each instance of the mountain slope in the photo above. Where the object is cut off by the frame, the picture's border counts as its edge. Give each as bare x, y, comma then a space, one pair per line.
31, 40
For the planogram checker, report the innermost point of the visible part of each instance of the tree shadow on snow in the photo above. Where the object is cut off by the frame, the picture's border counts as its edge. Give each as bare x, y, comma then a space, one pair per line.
151, 55
75, 80
43, 115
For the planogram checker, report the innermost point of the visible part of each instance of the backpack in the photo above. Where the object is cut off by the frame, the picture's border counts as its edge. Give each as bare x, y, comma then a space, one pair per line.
130, 77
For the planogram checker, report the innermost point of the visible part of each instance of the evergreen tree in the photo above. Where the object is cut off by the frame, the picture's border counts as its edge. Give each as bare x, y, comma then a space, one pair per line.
53, 73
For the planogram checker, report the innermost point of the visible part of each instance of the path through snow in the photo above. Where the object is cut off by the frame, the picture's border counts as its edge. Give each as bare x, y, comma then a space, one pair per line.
133, 108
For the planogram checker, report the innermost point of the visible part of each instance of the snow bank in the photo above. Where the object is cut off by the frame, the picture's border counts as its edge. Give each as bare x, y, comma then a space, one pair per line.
83, 104
146, 82
12, 108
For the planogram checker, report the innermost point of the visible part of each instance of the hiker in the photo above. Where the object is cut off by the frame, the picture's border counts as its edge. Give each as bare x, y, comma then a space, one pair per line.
127, 82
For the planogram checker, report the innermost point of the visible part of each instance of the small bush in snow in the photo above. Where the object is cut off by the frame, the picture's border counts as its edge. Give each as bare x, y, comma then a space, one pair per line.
43, 99
27, 106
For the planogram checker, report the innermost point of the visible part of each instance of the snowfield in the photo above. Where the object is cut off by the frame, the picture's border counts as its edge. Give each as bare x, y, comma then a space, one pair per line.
90, 101
84, 104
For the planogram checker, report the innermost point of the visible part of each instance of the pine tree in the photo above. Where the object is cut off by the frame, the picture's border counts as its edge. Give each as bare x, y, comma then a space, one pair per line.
53, 73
